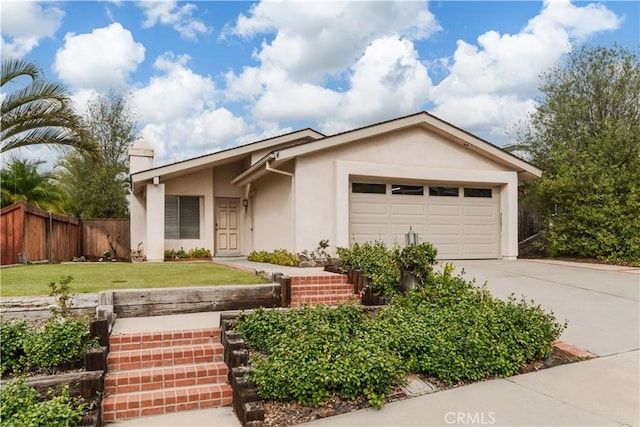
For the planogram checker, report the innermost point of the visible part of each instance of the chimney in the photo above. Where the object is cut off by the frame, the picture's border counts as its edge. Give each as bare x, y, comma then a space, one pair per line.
140, 157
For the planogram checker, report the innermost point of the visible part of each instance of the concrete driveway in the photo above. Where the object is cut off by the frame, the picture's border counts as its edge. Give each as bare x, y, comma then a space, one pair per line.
601, 304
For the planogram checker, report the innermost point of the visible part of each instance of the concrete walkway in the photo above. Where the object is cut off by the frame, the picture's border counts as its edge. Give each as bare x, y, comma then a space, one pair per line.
602, 306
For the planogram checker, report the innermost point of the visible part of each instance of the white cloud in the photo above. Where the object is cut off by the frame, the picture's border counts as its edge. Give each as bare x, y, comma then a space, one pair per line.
364, 47
289, 100
178, 92
314, 39
491, 85
387, 81
179, 116
196, 135
180, 18
25, 23
102, 59
579, 22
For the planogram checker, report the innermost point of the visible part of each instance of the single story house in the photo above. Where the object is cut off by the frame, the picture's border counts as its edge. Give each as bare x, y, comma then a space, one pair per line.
418, 172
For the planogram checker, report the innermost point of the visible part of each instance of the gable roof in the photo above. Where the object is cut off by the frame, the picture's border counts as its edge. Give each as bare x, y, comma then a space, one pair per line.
526, 170
224, 156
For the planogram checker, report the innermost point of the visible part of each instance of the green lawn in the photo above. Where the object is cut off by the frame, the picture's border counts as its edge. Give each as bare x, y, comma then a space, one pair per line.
95, 277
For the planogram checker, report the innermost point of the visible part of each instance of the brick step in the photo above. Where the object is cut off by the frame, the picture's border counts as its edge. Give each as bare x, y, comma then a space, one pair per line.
138, 404
335, 279
330, 299
144, 340
322, 290
124, 360
165, 377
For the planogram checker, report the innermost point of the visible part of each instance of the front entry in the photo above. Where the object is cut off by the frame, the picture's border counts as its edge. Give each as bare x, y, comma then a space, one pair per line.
227, 226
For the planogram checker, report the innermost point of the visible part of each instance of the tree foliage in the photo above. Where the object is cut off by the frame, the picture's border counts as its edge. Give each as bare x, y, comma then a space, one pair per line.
39, 112
22, 182
585, 135
98, 185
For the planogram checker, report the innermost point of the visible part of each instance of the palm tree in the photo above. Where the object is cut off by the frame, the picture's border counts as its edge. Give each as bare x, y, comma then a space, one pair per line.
21, 182
40, 112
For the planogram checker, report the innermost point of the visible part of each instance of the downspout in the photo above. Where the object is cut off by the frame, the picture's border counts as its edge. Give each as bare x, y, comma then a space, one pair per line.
249, 219
293, 201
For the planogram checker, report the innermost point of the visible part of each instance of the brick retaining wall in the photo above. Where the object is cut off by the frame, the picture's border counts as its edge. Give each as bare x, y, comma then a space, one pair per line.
326, 290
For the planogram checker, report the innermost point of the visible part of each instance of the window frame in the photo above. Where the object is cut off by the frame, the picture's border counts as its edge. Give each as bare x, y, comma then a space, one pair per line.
185, 223
407, 190
370, 185
480, 193
441, 191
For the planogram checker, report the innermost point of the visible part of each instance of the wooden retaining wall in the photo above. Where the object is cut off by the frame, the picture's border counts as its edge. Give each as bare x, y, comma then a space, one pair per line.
246, 403
39, 308
165, 301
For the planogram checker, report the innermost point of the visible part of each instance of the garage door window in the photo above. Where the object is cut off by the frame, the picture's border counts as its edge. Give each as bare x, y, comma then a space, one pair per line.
366, 188
478, 192
411, 190
443, 191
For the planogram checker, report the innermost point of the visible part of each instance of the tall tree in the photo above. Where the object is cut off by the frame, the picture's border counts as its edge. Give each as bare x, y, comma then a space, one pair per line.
21, 181
585, 135
38, 112
97, 186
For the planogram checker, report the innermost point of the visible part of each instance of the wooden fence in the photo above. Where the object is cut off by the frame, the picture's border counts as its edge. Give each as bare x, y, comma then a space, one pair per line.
105, 235
30, 234
529, 220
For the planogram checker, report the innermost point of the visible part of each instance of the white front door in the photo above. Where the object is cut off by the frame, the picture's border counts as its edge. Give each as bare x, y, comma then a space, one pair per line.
227, 226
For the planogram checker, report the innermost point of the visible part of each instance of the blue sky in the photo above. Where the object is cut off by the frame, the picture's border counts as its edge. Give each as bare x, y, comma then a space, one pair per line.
208, 75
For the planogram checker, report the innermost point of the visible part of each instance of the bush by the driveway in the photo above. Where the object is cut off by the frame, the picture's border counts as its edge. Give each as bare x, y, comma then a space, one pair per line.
448, 328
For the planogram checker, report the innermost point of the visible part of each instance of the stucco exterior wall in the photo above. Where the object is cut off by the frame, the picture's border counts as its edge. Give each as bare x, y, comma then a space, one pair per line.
322, 181
138, 218
273, 218
197, 184
222, 176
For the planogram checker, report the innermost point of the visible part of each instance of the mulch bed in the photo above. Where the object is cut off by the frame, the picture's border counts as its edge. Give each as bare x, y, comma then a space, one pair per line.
281, 414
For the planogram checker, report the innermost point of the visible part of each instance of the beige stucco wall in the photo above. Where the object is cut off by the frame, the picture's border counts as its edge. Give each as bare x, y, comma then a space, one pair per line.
271, 209
196, 184
322, 181
138, 218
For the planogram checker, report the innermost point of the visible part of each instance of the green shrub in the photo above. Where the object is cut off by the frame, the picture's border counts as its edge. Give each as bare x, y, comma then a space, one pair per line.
447, 327
455, 330
278, 257
61, 344
20, 405
418, 259
376, 262
259, 256
199, 253
14, 334
61, 291
312, 352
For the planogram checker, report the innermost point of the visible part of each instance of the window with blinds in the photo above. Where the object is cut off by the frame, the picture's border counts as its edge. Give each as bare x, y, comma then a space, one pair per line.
182, 217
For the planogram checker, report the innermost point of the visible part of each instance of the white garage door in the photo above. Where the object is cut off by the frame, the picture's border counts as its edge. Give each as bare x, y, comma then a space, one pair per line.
461, 221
